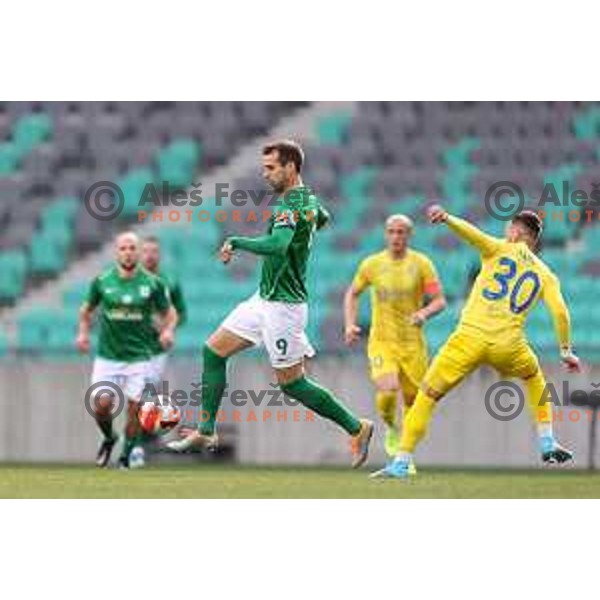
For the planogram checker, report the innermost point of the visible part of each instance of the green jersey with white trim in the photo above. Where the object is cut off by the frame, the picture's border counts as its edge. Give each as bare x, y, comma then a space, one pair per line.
283, 278
126, 307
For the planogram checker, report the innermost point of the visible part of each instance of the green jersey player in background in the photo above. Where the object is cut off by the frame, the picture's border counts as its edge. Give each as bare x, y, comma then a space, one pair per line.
151, 262
127, 298
277, 314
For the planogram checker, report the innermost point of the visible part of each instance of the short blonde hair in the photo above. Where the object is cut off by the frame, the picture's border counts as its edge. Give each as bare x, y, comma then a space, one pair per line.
407, 221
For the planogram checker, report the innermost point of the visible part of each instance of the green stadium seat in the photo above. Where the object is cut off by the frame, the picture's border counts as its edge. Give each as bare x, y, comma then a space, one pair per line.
47, 255
460, 154
133, 185
61, 337
60, 212
178, 162
47, 330
356, 184
187, 150
331, 129
13, 267
33, 329
9, 158
587, 124
74, 296
31, 130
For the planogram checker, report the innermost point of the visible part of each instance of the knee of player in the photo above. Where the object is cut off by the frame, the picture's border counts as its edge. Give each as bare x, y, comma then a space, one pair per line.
387, 385
432, 393
210, 357
408, 400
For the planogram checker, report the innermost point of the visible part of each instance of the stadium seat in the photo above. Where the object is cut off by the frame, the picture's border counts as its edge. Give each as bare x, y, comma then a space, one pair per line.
9, 158
331, 129
31, 130
13, 265
47, 254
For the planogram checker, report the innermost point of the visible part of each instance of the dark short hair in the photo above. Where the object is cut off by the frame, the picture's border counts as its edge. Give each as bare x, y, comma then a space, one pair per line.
151, 239
532, 221
288, 151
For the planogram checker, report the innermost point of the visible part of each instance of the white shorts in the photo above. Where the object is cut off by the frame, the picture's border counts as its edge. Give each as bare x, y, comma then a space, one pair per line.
157, 367
278, 325
132, 378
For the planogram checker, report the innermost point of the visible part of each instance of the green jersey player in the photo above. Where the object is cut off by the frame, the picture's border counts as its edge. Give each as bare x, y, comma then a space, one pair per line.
127, 298
151, 262
277, 314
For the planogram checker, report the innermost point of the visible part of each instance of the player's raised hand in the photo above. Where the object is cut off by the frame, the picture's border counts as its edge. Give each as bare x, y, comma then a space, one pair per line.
436, 214
82, 342
351, 334
226, 253
571, 363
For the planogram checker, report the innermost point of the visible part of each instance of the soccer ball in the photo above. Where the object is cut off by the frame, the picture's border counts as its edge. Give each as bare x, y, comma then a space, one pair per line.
158, 415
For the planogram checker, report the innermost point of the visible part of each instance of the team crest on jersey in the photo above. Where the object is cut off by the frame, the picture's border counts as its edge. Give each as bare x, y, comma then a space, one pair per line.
145, 291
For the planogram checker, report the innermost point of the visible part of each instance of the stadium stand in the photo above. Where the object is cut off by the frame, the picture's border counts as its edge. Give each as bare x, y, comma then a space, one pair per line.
382, 158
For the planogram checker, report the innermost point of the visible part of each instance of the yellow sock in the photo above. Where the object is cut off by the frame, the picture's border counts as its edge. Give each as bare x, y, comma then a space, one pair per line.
405, 410
539, 402
387, 403
416, 422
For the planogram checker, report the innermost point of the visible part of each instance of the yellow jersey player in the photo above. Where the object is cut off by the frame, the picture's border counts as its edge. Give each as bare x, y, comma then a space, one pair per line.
511, 281
405, 292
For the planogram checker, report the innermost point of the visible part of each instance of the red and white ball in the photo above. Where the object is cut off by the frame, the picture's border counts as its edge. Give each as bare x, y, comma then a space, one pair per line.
158, 415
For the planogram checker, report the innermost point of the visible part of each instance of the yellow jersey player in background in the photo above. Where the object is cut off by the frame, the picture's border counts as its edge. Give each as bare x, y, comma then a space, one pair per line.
511, 281
405, 292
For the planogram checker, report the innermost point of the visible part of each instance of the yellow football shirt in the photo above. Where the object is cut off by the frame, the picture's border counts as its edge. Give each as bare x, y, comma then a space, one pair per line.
511, 282
398, 288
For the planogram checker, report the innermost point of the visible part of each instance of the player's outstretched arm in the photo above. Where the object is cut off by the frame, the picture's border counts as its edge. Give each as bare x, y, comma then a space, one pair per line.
178, 301
267, 245
361, 281
82, 341
486, 244
167, 331
557, 307
351, 329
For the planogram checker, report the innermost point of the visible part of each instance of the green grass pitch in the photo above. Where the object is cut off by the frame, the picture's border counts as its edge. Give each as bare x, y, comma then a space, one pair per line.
211, 481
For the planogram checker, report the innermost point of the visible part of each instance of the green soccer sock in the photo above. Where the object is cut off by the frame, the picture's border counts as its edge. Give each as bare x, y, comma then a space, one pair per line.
213, 385
323, 402
128, 445
105, 424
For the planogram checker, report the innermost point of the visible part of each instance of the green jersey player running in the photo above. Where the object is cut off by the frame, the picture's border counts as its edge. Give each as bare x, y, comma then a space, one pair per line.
127, 298
151, 262
277, 315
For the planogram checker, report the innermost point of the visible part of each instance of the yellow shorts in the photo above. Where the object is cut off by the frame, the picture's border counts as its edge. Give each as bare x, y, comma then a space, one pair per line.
468, 348
386, 359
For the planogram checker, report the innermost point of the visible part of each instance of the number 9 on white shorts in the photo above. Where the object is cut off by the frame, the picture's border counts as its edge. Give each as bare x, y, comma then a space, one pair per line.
278, 325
